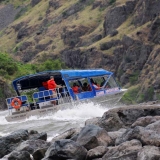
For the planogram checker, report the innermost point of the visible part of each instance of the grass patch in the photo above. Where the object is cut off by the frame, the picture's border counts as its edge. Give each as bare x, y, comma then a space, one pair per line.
130, 97
21, 12
134, 78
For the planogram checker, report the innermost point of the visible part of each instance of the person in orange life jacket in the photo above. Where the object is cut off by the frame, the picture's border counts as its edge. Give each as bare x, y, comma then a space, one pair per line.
45, 85
52, 86
75, 88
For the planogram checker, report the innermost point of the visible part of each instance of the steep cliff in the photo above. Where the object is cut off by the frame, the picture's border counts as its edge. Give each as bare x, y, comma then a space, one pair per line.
121, 36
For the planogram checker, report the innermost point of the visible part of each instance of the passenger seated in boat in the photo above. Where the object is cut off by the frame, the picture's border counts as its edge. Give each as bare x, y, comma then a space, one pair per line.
75, 88
85, 86
94, 85
52, 86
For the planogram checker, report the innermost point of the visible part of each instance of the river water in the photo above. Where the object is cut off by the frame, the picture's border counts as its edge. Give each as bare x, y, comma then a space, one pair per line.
54, 124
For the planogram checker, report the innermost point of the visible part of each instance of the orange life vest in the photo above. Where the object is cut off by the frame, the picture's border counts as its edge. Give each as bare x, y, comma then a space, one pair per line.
51, 84
75, 89
45, 85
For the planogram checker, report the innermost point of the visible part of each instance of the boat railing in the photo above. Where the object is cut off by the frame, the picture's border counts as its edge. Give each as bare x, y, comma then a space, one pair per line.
23, 99
47, 96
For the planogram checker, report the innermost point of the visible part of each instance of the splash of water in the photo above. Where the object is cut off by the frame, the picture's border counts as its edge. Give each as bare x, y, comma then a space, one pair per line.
54, 123
82, 111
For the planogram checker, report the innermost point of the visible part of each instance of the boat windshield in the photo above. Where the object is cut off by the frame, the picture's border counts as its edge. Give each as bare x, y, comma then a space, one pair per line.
83, 84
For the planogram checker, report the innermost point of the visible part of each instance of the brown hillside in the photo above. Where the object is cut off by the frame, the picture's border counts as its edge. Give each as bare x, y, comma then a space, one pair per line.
121, 36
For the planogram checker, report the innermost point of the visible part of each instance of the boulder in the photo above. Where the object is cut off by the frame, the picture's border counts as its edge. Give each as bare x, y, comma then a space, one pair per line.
149, 135
10, 142
19, 155
126, 151
114, 135
92, 136
42, 136
111, 121
39, 153
144, 121
94, 121
69, 134
124, 117
65, 149
32, 145
97, 152
149, 153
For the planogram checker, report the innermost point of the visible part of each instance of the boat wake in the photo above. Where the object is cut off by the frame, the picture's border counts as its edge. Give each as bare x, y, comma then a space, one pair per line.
55, 123
82, 111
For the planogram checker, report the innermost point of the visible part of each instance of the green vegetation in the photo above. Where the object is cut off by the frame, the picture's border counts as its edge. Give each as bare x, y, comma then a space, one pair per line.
12, 69
134, 95
50, 65
21, 12
130, 97
148, 96
7, 65
134, 78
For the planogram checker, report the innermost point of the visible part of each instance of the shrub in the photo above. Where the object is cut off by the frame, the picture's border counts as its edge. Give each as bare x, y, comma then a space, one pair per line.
51, 65
7, 65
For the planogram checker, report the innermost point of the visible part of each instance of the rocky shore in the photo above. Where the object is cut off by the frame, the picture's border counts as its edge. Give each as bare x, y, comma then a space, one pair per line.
127, 133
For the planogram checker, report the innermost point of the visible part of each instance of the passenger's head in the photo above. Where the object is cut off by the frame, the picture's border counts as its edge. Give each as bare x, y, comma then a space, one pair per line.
85, 84
51, 77
74, 84
92, 80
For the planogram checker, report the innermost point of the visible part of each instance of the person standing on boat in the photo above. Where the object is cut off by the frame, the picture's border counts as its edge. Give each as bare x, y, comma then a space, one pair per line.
52, 86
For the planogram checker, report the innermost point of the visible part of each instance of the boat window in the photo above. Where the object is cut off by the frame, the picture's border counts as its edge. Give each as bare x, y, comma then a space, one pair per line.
99, 80
111, 83
81, 84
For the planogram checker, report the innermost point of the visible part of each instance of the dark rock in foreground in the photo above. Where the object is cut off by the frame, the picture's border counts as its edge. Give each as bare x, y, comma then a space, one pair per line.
66, 149
126, 133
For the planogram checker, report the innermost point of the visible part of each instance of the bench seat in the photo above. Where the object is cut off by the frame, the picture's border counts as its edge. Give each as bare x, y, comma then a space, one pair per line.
44, 96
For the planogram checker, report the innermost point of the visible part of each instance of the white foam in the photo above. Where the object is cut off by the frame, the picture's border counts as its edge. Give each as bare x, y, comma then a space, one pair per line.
82, 111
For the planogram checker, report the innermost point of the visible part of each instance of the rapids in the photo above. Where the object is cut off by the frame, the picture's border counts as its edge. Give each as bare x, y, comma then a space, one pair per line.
54, 124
